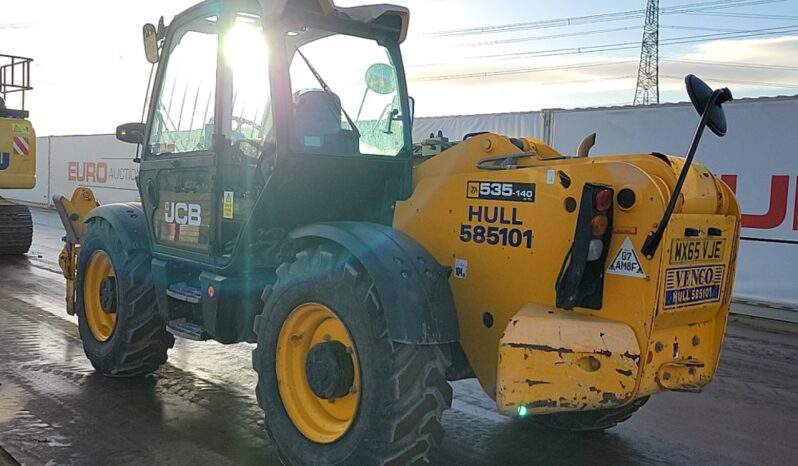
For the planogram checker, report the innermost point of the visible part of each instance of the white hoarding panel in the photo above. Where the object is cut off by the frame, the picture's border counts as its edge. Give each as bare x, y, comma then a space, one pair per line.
37, 195
758, 158
99, 162
529, 124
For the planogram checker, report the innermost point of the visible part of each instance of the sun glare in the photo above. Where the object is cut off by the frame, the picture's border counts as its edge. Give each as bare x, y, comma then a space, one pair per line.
245, 46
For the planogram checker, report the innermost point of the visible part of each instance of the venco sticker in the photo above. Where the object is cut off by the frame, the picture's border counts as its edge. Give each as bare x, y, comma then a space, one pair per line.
690, 286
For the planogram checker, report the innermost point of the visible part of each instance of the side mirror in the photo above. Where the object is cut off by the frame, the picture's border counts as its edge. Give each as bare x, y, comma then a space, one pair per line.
381, 78
131, 132
150, 34
700, 95
708, 104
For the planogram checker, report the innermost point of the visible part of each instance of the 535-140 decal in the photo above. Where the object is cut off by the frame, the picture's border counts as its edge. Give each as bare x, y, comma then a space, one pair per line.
494, 191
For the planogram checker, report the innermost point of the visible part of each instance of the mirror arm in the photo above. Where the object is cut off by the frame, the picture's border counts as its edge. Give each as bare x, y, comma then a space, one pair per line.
411, 103
654, 237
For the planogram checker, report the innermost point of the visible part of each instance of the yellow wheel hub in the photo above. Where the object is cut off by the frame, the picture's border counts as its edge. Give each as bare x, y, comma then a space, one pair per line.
314, 349
99, 296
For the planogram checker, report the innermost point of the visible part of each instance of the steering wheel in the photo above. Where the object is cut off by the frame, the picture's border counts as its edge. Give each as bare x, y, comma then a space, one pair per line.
250, 139
255, 130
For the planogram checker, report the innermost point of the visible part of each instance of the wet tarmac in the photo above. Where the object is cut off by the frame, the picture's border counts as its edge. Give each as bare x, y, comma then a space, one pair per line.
200, 407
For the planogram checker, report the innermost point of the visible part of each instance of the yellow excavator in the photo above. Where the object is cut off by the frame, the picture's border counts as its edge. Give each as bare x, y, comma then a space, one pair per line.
283, 203
17, 154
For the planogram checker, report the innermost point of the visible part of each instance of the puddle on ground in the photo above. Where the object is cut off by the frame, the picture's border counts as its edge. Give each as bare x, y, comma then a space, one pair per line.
12, 400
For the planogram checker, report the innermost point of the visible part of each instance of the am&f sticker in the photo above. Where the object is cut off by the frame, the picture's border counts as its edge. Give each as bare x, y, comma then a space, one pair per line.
626, 262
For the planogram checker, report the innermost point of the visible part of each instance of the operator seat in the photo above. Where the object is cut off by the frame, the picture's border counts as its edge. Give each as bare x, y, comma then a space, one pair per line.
317, 124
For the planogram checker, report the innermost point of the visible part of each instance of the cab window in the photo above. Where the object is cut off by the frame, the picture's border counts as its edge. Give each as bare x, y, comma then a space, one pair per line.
345, 95
246, 52
183, 116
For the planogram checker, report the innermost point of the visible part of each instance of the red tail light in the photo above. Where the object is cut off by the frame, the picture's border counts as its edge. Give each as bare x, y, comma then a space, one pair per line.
603, 200
581, 279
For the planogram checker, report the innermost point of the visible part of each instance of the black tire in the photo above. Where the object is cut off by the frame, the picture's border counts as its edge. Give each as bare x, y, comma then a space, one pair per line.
403, 391
589, 421
16, 229
139, 341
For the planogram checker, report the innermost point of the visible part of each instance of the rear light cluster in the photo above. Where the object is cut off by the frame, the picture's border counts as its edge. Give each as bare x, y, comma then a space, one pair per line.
581, 279
602, 202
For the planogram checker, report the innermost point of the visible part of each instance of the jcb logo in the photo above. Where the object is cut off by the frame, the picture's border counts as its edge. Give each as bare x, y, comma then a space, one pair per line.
182, 213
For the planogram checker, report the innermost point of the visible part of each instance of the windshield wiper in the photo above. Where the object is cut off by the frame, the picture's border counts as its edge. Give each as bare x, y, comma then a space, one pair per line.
329, 92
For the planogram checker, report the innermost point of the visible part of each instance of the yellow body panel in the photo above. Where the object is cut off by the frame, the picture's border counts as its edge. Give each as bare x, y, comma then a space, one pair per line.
17, 160
506, 281
574, 361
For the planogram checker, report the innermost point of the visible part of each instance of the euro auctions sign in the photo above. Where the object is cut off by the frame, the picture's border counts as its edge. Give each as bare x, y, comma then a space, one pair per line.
99, 172
98, 162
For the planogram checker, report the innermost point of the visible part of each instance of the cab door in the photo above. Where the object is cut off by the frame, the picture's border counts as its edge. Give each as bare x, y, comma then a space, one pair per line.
178, 169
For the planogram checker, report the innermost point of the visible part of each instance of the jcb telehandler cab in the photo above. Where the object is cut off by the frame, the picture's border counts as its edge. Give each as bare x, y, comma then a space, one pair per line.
283, 203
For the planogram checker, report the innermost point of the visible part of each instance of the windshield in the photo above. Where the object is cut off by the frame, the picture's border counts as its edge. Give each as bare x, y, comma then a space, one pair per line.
185, 105
346, 95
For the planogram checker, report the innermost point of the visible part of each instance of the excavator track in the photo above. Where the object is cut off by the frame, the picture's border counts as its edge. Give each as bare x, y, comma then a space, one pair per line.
16, 228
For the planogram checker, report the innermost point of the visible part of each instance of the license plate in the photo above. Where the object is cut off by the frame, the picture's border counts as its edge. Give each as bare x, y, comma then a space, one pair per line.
693, 250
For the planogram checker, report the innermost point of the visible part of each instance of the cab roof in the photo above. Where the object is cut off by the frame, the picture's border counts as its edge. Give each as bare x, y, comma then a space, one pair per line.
363, 14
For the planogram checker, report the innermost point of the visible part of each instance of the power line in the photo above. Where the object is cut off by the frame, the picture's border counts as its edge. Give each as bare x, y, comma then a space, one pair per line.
596, 64
746, 15
595, 18
485, 74
549, 36
740, 81
701, 28
574, 81
587, 33
627, 45
733, 64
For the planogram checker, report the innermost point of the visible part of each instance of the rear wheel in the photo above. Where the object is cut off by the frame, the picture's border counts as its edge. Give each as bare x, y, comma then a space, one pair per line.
122, 333
335, 389
588, 421
16, 228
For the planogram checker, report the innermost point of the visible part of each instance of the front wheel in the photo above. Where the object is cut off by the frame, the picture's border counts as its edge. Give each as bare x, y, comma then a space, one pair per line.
335, 389
122, 333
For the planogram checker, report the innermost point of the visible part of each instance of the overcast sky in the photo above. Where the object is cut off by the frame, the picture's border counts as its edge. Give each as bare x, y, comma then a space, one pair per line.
462, 56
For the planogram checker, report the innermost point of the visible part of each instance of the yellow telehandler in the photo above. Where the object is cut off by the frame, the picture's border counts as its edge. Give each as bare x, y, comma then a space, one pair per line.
17, 154
283, 203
